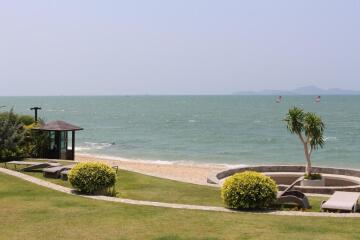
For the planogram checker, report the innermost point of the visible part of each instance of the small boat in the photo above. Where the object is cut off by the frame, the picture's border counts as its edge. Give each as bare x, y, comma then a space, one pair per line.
317, 99
278, 99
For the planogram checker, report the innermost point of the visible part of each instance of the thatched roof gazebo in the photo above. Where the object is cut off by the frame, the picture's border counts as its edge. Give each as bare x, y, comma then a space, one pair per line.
58, 147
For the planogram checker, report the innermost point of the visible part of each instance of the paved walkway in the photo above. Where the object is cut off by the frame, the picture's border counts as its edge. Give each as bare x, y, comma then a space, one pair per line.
166, 205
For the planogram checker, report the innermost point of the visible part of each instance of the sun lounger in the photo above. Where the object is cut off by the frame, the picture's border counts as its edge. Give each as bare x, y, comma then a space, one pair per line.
342, 201
289, 196
64, 174
33, 165
54, 172
20, 163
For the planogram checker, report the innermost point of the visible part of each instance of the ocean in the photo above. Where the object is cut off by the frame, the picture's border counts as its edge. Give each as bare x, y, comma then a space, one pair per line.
230, 130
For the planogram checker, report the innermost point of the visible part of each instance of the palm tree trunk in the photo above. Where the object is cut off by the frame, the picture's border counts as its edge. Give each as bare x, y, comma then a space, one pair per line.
308, 160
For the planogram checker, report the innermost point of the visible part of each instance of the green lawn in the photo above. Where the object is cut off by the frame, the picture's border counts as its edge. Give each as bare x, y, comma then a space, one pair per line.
142, 187
28, 211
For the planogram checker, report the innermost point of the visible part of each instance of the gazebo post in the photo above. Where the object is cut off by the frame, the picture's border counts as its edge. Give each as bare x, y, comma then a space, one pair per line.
73, 144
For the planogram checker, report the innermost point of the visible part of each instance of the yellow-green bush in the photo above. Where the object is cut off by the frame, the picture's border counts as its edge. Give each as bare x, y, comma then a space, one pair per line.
92, 177
248, 190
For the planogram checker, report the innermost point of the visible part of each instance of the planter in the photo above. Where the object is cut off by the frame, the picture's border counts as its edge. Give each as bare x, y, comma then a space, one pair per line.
313, 183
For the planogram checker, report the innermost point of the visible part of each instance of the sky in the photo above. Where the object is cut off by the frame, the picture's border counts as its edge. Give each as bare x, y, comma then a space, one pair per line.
69, 47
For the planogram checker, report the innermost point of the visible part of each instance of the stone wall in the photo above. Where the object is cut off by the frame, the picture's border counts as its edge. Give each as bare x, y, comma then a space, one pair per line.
341, 185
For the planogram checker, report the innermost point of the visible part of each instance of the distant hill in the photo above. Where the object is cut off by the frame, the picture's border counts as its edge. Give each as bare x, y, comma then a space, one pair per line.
307, 90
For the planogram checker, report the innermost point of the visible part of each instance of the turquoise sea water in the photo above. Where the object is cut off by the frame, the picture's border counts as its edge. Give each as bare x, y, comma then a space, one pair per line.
202, 129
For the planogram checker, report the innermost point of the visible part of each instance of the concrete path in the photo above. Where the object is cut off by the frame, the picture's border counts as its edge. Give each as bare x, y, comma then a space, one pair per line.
166, 205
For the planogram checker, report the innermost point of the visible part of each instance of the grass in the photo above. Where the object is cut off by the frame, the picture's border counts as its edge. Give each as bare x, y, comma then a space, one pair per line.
142, 187
28, 211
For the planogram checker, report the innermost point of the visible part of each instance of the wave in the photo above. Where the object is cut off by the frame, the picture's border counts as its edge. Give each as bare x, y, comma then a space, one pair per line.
86, 146
163, 162
55, 110
265, 140
81, 149
330, 139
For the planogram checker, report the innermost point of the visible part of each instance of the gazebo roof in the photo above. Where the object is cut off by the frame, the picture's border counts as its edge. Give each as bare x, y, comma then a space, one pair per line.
58, 126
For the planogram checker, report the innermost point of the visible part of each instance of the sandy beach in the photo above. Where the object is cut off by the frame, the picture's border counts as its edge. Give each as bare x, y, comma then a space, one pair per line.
191, 173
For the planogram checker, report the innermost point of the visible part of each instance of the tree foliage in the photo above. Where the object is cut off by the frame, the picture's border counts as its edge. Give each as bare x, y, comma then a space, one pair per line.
17, 139
12, 136
310, 129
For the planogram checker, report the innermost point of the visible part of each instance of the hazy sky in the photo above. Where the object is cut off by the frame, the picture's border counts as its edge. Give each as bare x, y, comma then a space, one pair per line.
73, 47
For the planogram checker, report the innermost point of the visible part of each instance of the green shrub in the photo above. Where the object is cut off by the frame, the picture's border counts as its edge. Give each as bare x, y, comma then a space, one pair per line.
92, 178
26, 119
36, 142
17, 139
248, 190
12, 137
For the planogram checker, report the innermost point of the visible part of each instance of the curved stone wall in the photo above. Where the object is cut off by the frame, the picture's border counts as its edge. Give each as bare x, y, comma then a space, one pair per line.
338, 179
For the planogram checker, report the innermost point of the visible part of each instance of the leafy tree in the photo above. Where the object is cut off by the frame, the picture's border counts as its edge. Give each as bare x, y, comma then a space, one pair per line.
12, 135
17, 139
309, 128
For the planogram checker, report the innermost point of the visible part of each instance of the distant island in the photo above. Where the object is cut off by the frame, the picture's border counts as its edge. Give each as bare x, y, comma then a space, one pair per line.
307, 90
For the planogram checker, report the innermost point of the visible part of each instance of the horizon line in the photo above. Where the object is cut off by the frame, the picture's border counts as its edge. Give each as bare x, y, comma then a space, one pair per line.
159, 95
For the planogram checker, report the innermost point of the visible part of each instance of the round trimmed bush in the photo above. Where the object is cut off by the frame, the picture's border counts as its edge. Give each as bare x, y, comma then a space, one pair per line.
248, 190
92, 177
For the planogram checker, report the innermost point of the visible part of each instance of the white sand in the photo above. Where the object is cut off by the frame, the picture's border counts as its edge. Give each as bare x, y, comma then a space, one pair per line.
191, 173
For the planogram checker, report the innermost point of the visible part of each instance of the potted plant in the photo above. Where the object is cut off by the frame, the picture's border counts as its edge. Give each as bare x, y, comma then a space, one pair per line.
310, 129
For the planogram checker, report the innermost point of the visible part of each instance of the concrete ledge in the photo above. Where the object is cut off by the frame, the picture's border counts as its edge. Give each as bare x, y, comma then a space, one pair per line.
338, 179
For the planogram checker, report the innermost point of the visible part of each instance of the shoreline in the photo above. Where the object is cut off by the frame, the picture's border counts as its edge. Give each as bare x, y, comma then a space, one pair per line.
195, 173
159, 162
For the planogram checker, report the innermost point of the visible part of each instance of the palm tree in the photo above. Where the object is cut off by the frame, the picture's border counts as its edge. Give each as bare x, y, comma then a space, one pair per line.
310, 129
